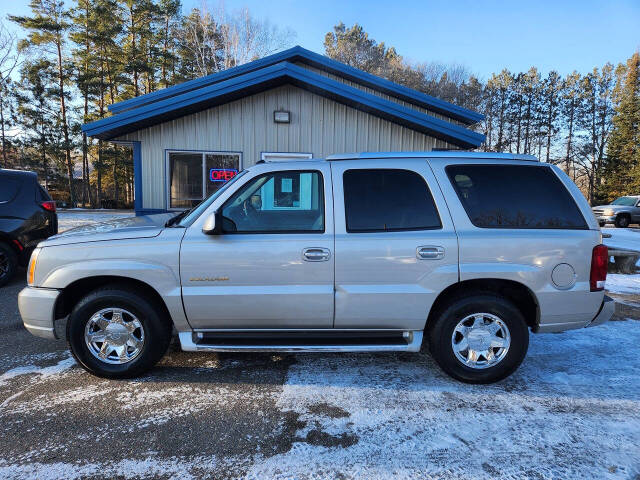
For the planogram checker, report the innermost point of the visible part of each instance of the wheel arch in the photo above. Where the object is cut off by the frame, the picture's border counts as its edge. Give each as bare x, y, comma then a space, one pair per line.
78, 289
519, 294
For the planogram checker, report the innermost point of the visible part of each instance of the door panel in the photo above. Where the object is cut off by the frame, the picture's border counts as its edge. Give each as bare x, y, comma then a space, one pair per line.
262, 280
390, 279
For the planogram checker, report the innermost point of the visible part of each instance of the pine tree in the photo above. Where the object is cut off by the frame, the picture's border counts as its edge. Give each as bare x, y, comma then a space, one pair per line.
623, 151
47, 33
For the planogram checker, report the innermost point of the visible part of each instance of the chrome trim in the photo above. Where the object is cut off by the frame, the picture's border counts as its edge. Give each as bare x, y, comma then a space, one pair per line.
414, 342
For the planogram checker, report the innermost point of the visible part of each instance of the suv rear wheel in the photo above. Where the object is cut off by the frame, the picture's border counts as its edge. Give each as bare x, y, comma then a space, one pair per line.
8, 263
114, 333
482, 338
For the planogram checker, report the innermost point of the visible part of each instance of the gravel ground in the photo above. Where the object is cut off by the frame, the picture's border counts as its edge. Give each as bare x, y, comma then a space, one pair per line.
571, 411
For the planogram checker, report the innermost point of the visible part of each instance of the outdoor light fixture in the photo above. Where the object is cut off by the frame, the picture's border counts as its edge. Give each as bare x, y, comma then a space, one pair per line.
281, 116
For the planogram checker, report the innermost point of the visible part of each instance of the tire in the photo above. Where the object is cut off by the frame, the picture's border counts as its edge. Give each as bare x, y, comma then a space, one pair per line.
8, 263
442, 339
152, 328
623, 221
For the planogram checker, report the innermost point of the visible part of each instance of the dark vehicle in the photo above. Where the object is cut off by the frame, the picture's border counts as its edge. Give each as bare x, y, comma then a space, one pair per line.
27, 216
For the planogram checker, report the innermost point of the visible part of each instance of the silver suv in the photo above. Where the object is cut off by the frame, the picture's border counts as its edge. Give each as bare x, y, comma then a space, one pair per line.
356, 253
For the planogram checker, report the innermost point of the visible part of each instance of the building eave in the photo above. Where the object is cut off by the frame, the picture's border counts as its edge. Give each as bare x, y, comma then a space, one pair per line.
302, 55
195, 100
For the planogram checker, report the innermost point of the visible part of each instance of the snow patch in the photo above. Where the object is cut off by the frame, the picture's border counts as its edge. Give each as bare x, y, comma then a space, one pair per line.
572, 410
623, 284
43, 372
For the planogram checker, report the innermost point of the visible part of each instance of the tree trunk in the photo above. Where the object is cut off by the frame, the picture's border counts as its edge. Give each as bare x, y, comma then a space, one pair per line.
65, 127
5, 163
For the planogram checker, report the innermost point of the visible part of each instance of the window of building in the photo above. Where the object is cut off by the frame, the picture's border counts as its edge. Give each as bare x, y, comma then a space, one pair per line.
277, 202
515, 196
382, 200
192, 176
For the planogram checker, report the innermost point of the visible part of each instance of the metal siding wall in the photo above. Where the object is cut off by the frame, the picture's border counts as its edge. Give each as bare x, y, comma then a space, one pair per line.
318, 125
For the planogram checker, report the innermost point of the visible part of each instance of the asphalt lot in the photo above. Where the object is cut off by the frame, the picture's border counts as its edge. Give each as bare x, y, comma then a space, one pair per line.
571, 411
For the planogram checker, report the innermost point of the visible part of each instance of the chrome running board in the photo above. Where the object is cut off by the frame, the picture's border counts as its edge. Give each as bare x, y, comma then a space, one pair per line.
298, 341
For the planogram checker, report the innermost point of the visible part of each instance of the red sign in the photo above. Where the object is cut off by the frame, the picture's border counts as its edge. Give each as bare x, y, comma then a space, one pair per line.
222, 174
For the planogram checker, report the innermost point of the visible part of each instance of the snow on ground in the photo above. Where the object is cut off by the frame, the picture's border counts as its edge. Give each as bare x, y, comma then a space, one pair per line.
623, 284
571, 411
623, 238
68, 219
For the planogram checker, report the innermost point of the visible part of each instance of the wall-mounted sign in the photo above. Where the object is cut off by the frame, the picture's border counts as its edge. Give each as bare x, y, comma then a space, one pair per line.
222, 174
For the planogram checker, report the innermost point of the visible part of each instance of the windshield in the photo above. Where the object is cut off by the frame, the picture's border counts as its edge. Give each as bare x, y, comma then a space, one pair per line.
626, 201
202, 206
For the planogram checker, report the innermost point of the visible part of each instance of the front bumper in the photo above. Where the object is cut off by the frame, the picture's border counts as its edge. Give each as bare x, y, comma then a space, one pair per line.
37, 308
606, 218
605, 313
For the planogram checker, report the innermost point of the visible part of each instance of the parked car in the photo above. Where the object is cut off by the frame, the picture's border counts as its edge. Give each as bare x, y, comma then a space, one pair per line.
357, 253
622, 212
27, 215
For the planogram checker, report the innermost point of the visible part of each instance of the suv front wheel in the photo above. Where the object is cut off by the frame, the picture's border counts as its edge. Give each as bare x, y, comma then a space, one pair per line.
115, 333
623, 221
482, 338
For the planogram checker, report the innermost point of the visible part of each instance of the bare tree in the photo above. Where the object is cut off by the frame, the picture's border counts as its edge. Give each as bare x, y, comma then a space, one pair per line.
9, 58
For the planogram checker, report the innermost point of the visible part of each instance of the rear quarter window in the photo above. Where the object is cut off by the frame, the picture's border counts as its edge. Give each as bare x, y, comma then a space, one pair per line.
9, 188
515, 196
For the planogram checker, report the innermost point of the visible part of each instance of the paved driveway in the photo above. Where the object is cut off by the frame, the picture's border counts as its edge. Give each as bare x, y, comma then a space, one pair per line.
571, 411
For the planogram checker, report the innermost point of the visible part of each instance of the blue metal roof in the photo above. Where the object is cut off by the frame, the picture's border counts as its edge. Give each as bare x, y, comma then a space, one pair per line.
255, 81
299, 54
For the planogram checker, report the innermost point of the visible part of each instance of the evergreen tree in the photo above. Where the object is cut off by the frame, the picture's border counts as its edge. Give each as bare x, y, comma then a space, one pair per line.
623, 152
47, 33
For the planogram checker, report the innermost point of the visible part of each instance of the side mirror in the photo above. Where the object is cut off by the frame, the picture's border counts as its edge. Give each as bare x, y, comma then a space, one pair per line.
212, 224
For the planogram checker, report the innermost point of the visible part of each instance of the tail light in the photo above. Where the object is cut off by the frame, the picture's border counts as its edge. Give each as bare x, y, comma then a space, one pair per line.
49, 205
599, 261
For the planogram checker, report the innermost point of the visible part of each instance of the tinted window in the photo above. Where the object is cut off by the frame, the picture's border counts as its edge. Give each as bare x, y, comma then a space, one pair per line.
8, 189
42, 194
387, 200
277, 202
514, 196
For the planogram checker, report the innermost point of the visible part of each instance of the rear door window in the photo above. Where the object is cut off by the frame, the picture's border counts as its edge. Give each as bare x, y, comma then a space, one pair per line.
515, 196
9, 188
382, 200
42, 195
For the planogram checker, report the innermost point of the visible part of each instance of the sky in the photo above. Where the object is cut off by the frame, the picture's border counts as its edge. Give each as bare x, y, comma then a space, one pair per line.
485, 36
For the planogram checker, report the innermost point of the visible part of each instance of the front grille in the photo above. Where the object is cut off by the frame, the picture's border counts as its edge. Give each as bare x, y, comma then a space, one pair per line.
598, 212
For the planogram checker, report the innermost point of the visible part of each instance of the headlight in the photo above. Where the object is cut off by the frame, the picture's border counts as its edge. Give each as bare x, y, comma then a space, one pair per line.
31, 272
608, 212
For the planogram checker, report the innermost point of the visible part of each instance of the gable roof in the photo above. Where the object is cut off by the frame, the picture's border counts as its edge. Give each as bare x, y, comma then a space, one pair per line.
194, 100
302, 55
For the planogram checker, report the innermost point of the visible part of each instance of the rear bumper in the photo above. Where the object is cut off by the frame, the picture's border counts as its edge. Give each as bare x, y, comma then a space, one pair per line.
605, 313
37, 307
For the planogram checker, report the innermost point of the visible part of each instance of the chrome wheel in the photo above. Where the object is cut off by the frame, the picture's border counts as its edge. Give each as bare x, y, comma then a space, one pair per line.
114, 335
480, 340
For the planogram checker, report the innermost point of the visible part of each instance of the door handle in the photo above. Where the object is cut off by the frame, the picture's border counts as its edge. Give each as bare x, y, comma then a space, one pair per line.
429, 252
316, 254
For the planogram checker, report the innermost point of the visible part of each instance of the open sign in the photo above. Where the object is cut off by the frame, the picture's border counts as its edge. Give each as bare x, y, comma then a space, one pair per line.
222, 174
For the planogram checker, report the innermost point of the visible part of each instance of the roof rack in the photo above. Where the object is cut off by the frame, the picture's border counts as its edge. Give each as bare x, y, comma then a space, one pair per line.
433, 154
